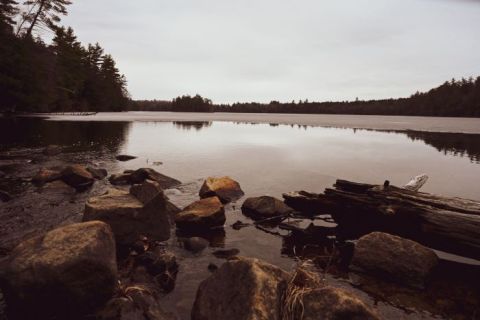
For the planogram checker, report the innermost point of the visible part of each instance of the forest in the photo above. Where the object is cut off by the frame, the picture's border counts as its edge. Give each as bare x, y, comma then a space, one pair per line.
58, 77
455, 98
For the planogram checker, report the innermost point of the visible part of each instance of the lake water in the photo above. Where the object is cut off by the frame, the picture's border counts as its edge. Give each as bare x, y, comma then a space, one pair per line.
267, 155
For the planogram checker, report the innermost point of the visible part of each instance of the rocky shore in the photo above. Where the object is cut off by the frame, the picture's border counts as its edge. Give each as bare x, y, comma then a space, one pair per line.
99, 243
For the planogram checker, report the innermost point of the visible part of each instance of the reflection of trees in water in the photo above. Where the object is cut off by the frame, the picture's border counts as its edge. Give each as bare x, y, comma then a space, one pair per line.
458, 144
35, 132
188, 125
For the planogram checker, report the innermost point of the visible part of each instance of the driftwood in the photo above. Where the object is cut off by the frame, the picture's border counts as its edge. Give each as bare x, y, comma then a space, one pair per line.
443, 223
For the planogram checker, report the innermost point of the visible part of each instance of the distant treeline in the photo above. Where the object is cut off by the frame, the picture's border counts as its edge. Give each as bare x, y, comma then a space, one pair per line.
63, 76
452, 99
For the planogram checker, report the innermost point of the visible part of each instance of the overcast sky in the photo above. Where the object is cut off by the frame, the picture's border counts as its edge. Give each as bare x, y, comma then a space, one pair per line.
262, 50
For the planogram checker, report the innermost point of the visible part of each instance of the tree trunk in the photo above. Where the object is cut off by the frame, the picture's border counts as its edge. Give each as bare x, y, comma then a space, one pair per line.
443, 223
35, 19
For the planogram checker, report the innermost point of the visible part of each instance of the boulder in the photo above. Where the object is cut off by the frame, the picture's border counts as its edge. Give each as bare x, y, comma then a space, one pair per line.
225, 188
330, 303
265, 207
77, 176
137, 303
202, 214
195, 244
241, 289
131, 217
142, 174
45, 175
394, 258
97, 173
125, 157
52, 150
68, 271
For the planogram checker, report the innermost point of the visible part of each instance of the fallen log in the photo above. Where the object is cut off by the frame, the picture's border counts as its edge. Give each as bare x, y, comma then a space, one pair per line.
449, 224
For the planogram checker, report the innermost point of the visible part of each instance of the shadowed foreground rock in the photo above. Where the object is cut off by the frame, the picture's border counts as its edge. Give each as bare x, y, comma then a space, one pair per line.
225, 188
45, 175
240, 289
265, 207
144, 211
394, 258
64, 273
202, 214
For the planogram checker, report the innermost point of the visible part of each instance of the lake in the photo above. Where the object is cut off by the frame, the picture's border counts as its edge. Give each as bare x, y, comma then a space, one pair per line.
267, 155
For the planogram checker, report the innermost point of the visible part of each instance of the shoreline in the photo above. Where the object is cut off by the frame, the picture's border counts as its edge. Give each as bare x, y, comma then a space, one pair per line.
374, 122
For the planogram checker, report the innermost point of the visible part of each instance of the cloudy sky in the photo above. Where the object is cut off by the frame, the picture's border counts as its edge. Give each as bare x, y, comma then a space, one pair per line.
262, 50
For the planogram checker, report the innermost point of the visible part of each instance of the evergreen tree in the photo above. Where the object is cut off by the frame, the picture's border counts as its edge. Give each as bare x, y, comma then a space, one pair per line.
44, 13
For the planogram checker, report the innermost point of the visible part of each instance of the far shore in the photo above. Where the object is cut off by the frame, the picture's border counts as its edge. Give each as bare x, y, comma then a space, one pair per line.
375, 122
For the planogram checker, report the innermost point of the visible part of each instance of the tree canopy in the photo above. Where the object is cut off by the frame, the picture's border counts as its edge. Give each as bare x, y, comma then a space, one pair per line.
61, 76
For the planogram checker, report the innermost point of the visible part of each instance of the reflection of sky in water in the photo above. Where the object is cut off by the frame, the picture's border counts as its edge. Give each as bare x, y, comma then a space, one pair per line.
274, 159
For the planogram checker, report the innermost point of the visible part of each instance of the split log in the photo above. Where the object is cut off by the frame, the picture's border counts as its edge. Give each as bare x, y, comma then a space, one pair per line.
444, 223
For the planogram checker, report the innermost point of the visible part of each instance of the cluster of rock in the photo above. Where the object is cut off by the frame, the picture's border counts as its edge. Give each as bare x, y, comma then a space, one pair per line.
75, 176
72, 270
244, 288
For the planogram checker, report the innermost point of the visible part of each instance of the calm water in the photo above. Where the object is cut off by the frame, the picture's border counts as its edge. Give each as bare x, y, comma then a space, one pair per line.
266, 159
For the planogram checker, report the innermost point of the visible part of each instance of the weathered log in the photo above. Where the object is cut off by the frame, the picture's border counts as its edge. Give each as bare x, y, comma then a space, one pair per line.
443, 223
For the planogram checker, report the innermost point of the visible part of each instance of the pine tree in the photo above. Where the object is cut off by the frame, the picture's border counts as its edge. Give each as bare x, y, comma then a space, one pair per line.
44, 13
8, 9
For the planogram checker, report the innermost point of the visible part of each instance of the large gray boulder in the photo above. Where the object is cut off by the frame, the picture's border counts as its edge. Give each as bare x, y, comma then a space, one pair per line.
241, 289
225, 188
68, 271
265, 207
393, 258
203, 214
144, 211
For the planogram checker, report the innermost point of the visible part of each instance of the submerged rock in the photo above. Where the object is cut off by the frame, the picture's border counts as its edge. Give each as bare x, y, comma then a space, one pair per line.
161, 265
330, 303
142, 174
144, 211
225, 188
68, 271
202, 214
195, 244
125, 157
5, 196
57, 187
98, 173
52, 150
265, 207
241, 289
45, 175
394, 258
77, 176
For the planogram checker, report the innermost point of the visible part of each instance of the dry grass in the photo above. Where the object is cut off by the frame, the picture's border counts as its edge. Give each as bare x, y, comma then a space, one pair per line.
301, 282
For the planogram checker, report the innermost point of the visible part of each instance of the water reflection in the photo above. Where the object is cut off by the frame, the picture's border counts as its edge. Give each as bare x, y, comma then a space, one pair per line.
457, 144
189, 125
35, 132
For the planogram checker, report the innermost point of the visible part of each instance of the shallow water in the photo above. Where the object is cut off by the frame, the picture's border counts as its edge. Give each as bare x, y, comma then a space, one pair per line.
266, 159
